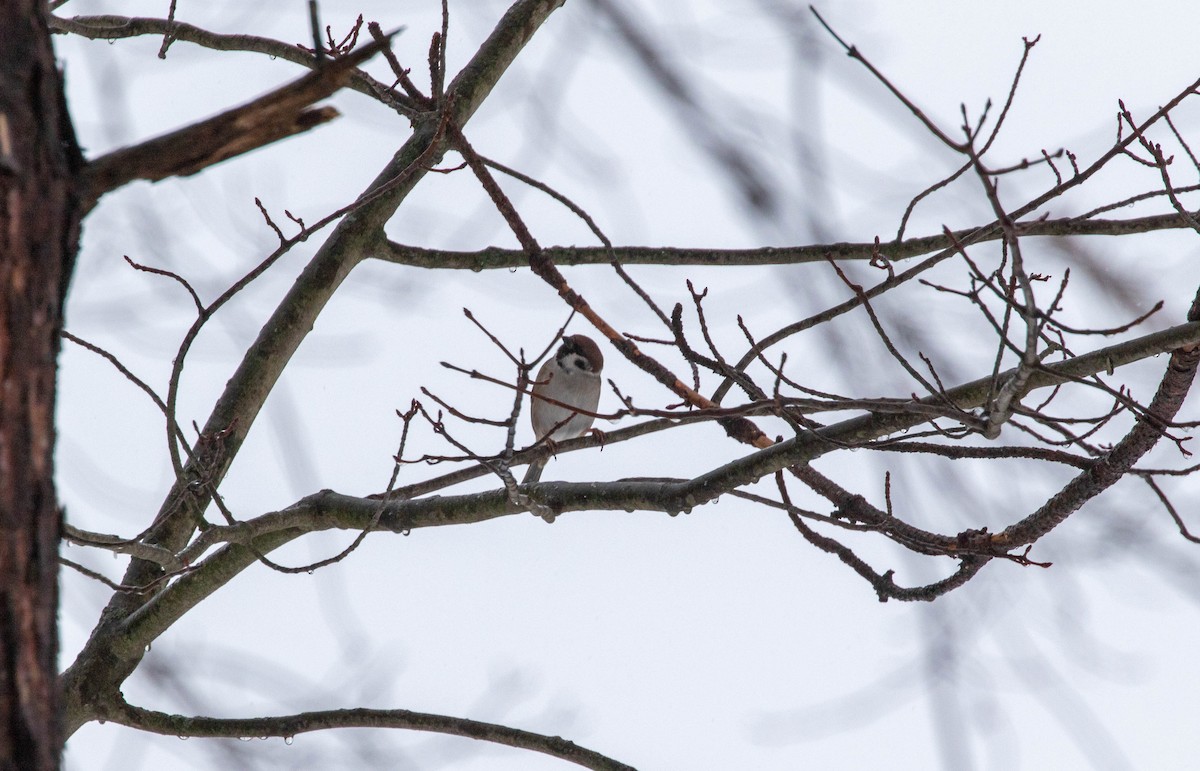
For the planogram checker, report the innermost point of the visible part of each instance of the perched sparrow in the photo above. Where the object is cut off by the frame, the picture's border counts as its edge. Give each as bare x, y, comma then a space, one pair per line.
571, 377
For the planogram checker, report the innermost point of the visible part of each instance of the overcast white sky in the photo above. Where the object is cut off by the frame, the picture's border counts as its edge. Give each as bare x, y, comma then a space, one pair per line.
715, 640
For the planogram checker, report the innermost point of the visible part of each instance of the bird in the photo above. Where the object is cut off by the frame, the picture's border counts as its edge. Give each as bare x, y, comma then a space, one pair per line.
571, 377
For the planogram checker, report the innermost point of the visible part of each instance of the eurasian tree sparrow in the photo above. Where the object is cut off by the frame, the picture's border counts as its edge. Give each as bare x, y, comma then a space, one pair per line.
571, 377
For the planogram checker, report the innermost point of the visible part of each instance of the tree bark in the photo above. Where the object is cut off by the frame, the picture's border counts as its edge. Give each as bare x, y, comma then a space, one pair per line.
39, 217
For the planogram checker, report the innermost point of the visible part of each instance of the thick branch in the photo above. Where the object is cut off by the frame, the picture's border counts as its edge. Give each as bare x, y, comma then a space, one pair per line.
269, 118
1115, 464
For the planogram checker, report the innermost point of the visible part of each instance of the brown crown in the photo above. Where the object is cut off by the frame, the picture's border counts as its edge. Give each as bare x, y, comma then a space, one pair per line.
586, 347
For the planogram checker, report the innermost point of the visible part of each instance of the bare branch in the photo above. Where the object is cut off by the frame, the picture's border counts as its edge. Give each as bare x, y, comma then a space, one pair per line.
288, 726
111, 27
119, 545
495, 258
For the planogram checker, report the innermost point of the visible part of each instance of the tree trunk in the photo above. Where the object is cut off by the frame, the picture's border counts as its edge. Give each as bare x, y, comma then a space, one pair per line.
39, 216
